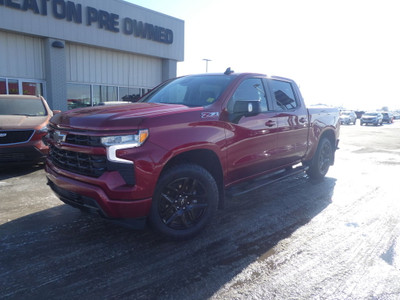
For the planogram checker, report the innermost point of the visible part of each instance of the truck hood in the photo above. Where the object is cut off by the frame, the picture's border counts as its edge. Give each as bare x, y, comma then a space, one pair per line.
11, 122
115, 117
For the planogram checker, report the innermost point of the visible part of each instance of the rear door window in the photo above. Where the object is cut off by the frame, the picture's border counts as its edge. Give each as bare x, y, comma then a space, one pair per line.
283, 95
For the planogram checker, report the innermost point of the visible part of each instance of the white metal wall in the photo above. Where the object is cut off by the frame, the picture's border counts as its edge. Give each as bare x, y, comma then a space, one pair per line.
14, 18
21, 56
100, 66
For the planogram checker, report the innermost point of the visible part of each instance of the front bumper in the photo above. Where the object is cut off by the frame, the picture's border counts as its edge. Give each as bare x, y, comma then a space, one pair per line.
369, 121
93, 198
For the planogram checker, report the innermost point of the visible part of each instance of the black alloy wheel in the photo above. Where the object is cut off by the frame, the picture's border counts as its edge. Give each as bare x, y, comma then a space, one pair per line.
325, 157
322, 160
185, 199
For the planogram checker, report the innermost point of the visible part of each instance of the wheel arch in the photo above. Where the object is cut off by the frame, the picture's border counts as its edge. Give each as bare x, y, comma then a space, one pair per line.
208, 160
330, 135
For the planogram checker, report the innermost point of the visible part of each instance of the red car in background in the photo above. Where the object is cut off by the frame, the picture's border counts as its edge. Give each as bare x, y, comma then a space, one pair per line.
23, 123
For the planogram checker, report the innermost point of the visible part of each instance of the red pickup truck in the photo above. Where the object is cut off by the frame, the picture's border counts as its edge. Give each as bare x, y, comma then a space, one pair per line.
173, 157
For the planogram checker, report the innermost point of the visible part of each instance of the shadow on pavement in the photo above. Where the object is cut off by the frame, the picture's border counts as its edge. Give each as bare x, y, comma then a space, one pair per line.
65, 254
18, 170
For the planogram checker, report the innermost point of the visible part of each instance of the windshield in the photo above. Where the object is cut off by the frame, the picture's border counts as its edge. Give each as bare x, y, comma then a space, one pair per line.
371, 114
22, 107
191, 91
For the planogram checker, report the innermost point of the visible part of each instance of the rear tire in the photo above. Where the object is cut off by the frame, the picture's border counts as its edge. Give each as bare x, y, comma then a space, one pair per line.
184, 201
322, 160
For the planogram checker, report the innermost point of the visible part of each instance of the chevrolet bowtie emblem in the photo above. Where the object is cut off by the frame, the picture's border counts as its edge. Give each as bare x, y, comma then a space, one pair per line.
59, 137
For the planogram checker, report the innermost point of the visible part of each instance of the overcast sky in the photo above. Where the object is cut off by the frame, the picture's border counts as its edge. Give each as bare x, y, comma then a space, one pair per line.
340, 52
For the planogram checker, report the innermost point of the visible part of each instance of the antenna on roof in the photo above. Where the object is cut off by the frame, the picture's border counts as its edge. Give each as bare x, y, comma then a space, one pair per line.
228, 71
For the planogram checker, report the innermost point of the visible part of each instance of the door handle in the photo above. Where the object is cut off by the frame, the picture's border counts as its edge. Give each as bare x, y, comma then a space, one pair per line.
270, 123
303, 120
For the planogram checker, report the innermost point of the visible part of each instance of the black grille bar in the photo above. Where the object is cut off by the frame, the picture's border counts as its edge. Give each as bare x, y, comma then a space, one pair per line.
84, 140
15, 136
81, 163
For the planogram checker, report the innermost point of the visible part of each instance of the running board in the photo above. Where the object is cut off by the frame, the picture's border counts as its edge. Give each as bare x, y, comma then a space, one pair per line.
260, 182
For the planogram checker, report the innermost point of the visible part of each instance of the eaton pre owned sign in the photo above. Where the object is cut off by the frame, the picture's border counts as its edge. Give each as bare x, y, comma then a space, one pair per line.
91, 16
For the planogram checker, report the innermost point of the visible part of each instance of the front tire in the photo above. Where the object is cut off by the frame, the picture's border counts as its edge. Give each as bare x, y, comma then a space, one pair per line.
322, 160
184, 201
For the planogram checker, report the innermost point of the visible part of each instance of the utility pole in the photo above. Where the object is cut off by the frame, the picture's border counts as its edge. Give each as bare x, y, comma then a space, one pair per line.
207, 60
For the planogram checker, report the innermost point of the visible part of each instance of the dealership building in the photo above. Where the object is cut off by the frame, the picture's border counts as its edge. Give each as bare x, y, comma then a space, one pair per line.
84, 52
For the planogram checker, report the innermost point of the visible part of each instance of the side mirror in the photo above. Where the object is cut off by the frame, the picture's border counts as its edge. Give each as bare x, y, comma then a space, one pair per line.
247, 108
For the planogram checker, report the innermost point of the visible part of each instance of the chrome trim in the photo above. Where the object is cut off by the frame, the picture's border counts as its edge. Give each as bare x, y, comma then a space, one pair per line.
112, 152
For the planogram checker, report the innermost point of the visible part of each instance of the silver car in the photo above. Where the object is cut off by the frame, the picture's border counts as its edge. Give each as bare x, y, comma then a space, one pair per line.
348, 117
374, 118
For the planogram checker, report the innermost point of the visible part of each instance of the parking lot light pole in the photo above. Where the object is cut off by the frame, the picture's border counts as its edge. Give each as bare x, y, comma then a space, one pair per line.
207, 60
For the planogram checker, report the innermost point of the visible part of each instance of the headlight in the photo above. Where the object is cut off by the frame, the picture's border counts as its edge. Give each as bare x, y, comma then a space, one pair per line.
119, 142
134, 140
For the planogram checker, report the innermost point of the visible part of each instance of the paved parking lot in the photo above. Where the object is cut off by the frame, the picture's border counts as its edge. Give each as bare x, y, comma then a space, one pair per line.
298, 239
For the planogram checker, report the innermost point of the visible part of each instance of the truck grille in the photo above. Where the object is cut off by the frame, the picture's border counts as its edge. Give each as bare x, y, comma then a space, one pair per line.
15, 137
84, 140
81, 163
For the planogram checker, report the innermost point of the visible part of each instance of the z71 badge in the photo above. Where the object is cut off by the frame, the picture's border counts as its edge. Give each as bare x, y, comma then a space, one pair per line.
214, 114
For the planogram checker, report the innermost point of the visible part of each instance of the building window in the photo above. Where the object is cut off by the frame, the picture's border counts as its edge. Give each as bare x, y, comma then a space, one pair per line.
78, 95
104, 93
129, 94
13, 88
83, 95
32, 88
21, 87
3, 86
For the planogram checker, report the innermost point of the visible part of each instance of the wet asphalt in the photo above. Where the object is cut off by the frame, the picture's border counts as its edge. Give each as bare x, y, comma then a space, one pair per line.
295, 239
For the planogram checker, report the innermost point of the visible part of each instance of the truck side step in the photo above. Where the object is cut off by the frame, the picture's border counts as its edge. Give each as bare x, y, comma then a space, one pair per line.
248, 186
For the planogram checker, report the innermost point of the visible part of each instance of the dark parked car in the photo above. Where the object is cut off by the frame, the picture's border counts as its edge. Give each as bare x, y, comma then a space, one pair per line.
359, 113
387, 117
374, 118
23, 123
